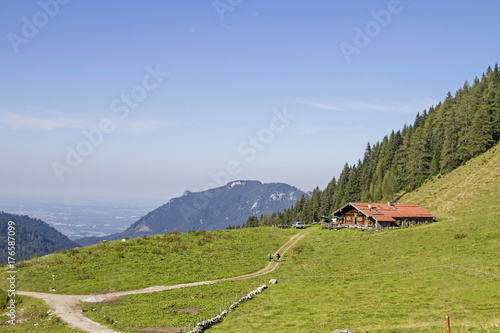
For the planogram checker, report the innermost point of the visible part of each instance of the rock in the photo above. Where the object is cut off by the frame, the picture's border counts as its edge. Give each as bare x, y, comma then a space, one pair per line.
273, 281
93, 299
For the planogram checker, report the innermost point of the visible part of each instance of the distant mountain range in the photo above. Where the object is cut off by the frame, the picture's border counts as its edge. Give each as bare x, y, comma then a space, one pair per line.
217, 208
31, 237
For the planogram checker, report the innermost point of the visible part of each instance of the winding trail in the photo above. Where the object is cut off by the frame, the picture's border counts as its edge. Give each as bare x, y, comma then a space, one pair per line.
68, 309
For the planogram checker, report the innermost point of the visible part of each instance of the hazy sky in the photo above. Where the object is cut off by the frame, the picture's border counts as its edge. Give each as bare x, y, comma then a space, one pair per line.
151, 98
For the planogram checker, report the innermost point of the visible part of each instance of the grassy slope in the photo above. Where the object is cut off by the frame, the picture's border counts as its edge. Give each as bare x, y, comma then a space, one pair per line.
156, 260
465, 191
162, 259
312, 295
467, 202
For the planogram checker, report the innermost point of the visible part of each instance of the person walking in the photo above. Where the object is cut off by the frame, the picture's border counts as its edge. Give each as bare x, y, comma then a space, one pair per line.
278, 256
270, 257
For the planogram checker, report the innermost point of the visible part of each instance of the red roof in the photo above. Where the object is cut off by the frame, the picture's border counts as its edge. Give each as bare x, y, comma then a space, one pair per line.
388, 213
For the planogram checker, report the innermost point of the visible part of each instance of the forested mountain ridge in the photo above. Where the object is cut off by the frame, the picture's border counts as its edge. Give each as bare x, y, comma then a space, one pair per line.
223, 207
442, 138
31, 237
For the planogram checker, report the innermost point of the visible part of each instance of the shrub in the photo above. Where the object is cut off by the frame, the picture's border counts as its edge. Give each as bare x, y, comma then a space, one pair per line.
24, 264
4, 298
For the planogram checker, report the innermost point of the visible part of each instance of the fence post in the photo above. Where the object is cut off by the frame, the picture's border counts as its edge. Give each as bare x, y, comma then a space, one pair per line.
447, 324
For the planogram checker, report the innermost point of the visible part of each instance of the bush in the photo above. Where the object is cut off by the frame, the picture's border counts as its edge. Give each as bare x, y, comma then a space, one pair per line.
4, 298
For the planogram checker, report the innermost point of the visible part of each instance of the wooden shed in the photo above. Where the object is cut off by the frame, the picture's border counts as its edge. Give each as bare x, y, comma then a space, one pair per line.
382, 216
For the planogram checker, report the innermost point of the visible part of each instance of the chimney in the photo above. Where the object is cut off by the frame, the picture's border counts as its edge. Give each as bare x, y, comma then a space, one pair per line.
370, 205
389, 204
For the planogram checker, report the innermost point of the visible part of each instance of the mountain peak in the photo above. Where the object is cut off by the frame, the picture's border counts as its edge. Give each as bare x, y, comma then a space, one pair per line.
216, 208
237, 183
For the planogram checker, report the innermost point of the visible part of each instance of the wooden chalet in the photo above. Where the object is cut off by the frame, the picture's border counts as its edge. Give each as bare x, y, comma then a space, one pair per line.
382, 216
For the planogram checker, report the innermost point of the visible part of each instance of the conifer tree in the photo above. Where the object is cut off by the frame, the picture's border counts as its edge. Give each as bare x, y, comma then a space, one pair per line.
449, 159
389, 186
418, 160
493, 102
481, 134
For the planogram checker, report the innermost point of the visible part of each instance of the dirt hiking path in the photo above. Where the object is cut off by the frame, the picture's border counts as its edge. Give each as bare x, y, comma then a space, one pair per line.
68, 309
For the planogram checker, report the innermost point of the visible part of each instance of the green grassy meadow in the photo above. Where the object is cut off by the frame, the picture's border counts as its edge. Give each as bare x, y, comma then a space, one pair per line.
379, 281
173, 309
156, 260
324, 285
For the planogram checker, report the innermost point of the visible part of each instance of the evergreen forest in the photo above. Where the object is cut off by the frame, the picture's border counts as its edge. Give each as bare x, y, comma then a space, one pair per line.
441, 139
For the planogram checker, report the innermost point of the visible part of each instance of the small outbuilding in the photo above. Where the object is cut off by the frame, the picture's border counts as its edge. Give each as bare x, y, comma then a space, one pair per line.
382, 216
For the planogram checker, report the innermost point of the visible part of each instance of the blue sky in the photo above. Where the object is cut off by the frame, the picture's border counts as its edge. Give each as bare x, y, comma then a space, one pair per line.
148, 99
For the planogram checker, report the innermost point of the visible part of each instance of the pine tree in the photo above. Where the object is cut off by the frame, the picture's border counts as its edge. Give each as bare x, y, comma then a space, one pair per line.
492, 99
418, 160
481, 134
352, 189
434, 166
449, 159
327, 197
389, 186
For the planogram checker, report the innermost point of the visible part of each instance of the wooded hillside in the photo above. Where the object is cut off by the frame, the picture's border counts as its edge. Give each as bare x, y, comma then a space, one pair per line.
442, 138
31, 237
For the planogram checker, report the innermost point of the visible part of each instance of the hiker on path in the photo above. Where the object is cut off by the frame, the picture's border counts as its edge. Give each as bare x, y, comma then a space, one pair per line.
270, 257
278, 256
